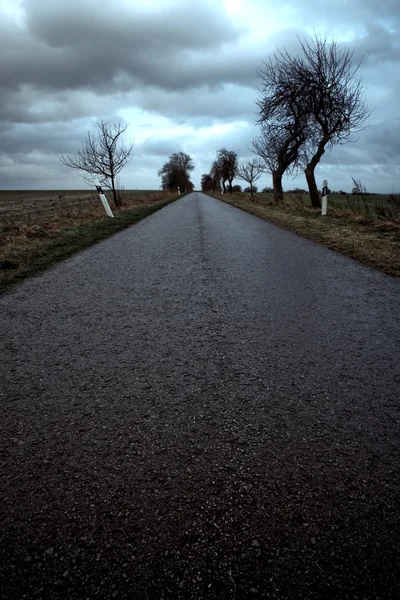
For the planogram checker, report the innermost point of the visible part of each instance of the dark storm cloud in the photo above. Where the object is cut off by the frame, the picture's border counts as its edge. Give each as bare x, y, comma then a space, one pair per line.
160, 28
91, 45
87, 47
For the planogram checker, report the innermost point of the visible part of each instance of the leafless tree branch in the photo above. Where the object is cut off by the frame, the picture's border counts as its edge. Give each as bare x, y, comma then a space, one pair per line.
251, 171
102, 156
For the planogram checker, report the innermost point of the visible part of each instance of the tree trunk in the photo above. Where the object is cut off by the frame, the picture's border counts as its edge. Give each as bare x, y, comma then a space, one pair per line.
251, 191
114, 191
312, 188
230, 186
224, 186
277, 183
310, 172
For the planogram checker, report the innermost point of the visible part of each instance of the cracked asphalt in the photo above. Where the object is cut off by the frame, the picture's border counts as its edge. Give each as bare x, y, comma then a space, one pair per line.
202, 406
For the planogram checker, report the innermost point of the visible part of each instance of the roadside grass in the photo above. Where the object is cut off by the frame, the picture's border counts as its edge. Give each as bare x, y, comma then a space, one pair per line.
30, 249
375, 206
372, 241
30, 207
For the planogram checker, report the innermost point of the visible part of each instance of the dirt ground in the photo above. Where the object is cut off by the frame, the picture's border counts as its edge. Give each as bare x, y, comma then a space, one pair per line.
22, 207
27, 207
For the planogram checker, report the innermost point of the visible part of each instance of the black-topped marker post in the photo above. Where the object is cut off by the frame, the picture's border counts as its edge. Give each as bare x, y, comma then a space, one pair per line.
324, 206
104, 201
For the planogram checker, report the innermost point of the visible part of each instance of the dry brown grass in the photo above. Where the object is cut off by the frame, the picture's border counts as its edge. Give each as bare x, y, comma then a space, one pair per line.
373, 242
44, 208
20, 225
29, 244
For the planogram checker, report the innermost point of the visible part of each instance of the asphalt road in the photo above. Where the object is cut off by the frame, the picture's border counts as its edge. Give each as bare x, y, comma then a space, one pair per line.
203, 406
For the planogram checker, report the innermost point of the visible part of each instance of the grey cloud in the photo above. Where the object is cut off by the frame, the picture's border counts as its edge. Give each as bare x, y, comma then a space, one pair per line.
89, 48
383, 142
92, 45
354, 13
38, 172
379, 45
81, 24
48, 139
237, 139
69, 62
201, 106
379, 144
374, 150
31, 105
157, 148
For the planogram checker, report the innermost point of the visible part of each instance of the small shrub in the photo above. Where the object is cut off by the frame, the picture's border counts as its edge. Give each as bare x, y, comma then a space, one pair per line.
120, 190
394, 198
359, 188
362, 205
391, 209
387, 212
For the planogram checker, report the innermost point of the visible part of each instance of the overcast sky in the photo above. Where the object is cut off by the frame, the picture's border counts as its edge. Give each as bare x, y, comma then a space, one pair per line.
182, 72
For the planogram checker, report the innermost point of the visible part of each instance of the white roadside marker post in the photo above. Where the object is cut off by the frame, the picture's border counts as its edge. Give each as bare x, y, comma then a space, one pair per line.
324, 206
179, 191
104, 201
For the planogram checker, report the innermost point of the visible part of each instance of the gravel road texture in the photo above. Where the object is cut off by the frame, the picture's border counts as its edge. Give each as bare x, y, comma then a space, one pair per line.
202, 406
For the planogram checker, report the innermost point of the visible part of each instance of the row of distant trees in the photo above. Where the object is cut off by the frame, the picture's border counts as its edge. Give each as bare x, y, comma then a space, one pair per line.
227, 167
175, 173
307, 103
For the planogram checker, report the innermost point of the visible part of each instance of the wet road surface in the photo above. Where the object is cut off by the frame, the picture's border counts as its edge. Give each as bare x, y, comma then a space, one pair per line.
203, 406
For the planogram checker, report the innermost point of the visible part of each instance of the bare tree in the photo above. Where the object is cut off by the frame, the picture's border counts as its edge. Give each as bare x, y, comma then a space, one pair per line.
317, 92
208, 183
175, 173
226, 166
283, 117
205, 182
182, 161
251, 171
278, 147
216, 175
335, 100
102, 156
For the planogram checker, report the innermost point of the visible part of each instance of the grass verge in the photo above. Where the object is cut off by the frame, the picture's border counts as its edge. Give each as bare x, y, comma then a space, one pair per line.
375, 243
24, 256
